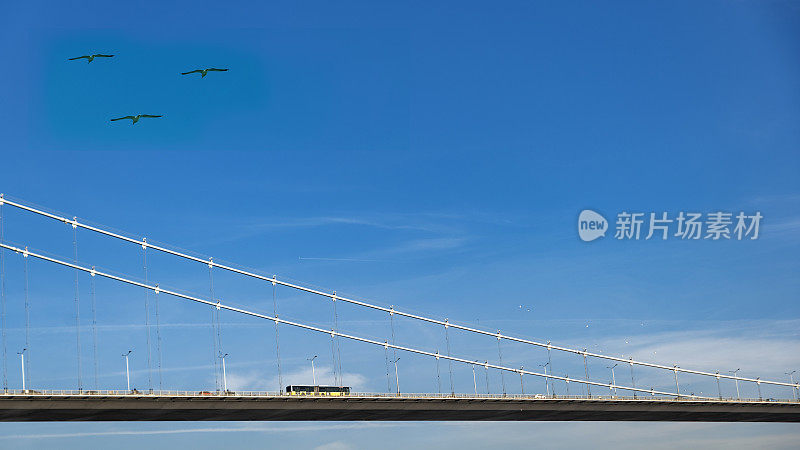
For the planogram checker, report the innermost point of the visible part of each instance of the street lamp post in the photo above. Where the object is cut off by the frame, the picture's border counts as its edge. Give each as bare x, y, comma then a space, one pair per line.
758, 383
224, 374
613, 379
736, 379
313, 370
719, 389
521, 385
677, 388
474, 380
546, 379
22, 361
396, 376
791, 379
127, 369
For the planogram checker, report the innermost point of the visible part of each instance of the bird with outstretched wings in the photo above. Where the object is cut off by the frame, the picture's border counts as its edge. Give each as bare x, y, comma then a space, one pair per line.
135, 118
91, 58
204, 72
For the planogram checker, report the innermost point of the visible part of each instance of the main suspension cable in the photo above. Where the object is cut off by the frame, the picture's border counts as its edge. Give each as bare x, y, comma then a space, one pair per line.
169, 251
365, 304
417, 351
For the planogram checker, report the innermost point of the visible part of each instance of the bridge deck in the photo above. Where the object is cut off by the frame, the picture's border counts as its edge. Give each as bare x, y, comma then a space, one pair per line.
160, 407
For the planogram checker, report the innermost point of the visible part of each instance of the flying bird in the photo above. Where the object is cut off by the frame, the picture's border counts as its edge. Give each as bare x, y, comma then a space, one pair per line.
135, 118
91, 58
204, 72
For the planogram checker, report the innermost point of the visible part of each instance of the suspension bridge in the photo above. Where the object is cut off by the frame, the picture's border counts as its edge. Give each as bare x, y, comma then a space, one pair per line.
598, 398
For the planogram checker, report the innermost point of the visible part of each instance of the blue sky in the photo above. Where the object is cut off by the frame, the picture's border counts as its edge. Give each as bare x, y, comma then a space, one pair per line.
434, 157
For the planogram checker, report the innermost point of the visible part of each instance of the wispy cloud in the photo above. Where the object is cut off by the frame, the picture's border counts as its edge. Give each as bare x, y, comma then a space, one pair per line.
429, 223
301, 258
226, 429
755, 352
254, 380
338, 445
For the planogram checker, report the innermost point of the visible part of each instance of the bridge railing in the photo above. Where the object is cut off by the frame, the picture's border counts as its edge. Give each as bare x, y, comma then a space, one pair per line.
266, 394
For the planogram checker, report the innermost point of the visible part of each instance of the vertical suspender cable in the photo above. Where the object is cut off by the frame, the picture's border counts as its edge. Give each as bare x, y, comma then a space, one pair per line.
338, 341
77, 305
391, 322
3, 301
388, 379
277, 342
94, 329
333, 355
158, 322
438, 374
333, 341
486, 366
550, 363
219, 338
27, 317
449, 361
147, 320
500, 354
158, 345
586, 369
214, 349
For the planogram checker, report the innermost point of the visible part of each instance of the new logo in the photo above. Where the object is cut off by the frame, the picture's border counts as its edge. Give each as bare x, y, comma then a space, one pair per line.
591, 225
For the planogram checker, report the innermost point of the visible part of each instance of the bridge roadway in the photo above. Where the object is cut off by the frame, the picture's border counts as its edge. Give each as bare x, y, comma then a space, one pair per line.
37, 406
